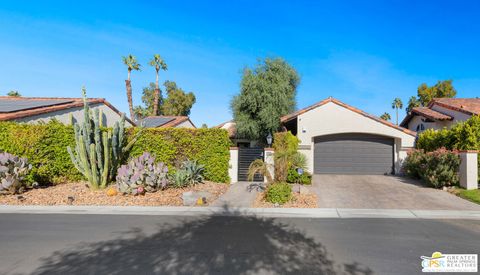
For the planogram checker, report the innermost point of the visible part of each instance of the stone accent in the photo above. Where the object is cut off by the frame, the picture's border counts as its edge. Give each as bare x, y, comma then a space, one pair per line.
468, 171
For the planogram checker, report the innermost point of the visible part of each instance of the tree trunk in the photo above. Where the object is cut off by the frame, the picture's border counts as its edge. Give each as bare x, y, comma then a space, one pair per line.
397, 114
129, 98
156, 97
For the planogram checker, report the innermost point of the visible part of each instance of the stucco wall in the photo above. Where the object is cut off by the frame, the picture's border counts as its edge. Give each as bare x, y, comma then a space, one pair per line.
437, 125
109, 115
457, 116
185, 124
334, 119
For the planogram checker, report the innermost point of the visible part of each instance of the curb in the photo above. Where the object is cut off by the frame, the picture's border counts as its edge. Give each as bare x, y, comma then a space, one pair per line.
342, 213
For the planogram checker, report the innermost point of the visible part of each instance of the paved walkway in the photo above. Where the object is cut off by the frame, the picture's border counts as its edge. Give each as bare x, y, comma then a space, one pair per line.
383, 192
238, 195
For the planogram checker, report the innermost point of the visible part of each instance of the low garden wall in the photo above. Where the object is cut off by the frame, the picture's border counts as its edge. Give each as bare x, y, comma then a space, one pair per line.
45, 146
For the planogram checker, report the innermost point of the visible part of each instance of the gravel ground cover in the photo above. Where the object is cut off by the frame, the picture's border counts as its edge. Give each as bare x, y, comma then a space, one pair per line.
298, 201
82, 195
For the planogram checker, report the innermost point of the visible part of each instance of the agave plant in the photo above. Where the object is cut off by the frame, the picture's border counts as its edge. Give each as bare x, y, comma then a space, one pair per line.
12, 171
141, 175
189, 173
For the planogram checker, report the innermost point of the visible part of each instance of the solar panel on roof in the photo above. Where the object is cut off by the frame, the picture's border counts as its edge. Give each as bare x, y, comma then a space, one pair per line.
152, 122
10, 106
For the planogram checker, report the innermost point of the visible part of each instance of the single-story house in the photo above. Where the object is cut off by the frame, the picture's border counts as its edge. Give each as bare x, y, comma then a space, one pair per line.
441, 113
337, 138
166, 121
231, 128
44, 109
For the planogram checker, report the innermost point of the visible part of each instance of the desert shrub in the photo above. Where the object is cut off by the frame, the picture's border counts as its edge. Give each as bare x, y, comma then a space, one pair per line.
142, 175
189, 173
412, 165
210, 147
279, 193
12, 172
294, 177
438, 168
285, 145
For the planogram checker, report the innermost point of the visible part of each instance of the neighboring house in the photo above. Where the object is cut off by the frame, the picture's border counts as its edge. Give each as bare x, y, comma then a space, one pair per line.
166, 121
65, 110
441, 113
231, 128
339, 139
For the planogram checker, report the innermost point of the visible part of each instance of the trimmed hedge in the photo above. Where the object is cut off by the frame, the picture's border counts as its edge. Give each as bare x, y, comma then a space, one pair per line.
45, 146
172, 146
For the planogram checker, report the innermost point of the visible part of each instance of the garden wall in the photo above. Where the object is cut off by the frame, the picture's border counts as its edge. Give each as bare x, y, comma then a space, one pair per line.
45, 147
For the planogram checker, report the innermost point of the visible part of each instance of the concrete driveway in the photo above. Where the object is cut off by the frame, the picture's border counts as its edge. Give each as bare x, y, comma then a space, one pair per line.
383, 192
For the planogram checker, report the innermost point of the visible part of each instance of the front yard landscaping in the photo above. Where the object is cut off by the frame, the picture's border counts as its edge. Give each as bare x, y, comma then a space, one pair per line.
80, 194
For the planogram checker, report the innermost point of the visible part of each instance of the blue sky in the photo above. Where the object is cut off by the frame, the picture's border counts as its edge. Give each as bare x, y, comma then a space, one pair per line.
364, 53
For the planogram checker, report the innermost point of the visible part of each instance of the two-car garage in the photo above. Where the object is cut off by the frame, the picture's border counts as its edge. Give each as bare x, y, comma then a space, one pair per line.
353, 154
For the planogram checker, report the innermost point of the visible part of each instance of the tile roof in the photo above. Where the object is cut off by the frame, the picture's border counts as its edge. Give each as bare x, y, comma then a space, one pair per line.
230, 126
12, 108
431, 114
469, 106
163, 121
351, 108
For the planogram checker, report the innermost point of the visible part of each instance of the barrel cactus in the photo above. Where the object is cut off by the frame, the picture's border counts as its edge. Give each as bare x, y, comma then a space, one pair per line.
141, 175
12, 171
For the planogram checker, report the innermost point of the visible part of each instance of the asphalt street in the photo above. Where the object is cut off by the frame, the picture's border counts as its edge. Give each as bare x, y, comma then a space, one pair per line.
122, 244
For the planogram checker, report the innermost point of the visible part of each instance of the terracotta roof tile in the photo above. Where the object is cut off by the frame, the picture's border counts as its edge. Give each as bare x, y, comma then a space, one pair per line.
38, 110
466, 105
431, 114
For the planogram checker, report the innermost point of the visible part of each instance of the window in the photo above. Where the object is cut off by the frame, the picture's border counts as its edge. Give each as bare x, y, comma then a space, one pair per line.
420, 127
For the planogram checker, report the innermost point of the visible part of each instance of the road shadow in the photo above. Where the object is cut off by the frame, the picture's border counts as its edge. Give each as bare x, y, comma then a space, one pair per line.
226, 243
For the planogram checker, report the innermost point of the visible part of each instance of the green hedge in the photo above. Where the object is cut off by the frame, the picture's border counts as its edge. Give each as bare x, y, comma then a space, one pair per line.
175, 145
45, 147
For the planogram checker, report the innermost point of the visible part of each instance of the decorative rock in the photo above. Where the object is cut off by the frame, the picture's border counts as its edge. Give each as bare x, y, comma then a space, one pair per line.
191, 198
70, 200
112, 191
21, 198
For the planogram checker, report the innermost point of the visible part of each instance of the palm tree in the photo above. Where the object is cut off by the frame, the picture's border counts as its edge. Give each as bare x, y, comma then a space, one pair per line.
397, 104
158, 63
412, 103
131, 62
260, 167
386, 116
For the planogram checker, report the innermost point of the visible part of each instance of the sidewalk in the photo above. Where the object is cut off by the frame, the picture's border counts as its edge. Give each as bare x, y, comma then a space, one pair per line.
340, 213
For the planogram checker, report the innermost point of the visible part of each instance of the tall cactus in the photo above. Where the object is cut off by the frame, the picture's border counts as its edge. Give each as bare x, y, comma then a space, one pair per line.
98, 152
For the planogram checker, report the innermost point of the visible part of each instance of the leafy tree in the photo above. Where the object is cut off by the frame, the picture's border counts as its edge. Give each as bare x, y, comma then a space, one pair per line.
386, 116
148, 99
397, 104
131, 62
14, 93
441, 89
158, 63
412, 103
267, 92
178, 102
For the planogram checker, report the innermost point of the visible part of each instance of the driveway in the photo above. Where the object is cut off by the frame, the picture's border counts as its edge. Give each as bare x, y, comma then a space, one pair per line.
383, 192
